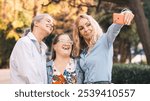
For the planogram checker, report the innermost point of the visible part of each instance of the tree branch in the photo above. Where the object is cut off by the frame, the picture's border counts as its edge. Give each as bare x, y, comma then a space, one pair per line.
73, 4
44, 5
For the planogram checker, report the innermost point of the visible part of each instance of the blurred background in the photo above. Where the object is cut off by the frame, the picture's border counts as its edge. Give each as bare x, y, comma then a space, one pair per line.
131, 47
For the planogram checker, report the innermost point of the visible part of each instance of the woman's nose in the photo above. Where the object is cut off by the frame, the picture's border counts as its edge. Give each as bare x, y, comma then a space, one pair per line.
85, 28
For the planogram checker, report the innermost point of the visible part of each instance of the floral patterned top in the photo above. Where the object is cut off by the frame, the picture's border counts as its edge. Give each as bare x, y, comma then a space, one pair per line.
68, 76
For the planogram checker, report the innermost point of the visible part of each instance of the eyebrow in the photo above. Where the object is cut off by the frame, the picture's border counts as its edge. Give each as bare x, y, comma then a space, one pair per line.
49, 19
85, 24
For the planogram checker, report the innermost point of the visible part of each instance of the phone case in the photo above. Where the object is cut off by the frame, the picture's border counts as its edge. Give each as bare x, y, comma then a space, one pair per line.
118, 18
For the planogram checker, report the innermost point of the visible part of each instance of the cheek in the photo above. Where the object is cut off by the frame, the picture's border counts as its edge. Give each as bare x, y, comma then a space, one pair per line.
81, 33
91, 28
42, 23
56, 47
70, 50
59, 47
58, 50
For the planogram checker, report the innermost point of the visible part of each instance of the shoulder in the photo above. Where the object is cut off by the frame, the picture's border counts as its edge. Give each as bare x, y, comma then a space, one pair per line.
49, 63
101, 39
75, 60
21, 44
24, 41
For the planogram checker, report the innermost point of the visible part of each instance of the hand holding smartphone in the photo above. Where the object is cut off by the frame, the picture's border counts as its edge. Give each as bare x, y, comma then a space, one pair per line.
118, 18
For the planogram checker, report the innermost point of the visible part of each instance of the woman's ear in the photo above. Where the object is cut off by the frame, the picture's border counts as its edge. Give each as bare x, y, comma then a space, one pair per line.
54, 47
36, 23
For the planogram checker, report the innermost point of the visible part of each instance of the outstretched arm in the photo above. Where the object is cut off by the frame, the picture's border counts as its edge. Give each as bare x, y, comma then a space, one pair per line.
114, 29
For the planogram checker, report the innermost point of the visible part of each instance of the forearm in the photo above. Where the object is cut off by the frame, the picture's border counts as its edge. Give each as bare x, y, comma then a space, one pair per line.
113, 31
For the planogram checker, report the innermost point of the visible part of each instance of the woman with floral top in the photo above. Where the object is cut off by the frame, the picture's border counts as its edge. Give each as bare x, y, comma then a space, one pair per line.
61, 68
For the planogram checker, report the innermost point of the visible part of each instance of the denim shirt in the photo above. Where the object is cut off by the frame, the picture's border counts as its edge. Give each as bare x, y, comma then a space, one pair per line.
49, 72
97, 65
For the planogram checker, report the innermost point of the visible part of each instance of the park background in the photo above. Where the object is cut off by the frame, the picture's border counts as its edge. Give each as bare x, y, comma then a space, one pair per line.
131, 47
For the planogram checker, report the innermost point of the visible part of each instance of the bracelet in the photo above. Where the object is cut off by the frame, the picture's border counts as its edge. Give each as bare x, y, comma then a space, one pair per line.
126, 9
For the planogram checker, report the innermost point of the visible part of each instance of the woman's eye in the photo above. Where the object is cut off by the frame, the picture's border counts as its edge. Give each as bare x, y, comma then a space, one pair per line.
80, 28
88, 24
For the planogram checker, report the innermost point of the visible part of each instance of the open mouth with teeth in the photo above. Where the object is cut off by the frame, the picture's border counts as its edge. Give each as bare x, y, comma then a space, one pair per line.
66, 47
49, 26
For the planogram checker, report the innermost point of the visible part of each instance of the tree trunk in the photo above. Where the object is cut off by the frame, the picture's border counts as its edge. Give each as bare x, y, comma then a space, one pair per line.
142, 26
124, 50
35, 8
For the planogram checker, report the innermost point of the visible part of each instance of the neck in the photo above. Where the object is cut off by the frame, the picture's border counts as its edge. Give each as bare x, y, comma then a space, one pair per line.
88, 42
38, 35
61, 63
60, 59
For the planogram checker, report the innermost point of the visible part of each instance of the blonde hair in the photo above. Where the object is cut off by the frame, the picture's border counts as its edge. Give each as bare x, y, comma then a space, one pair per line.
79, 42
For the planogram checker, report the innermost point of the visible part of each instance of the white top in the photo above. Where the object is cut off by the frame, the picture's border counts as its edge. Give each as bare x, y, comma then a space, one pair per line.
28, 61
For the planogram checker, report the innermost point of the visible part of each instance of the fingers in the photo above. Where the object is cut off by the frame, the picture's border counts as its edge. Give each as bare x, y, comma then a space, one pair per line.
128, 17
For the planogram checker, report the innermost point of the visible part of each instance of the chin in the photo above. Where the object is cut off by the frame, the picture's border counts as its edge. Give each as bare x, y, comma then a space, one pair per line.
48, 32
88, 38
66, 55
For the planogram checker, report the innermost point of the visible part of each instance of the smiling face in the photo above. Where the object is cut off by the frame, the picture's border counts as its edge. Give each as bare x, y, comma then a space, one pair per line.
46, 24
85, 28
42, 23
86, 31
63, 46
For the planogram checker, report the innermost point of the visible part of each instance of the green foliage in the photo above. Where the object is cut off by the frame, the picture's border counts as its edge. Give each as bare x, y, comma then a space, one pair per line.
131, 74
48, 40
6, 46
20, 12
17, 15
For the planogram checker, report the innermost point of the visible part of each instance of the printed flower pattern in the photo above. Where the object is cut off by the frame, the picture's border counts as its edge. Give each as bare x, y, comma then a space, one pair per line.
68, 77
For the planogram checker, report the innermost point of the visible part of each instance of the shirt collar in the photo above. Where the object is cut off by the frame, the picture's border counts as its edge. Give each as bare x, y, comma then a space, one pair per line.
31, 36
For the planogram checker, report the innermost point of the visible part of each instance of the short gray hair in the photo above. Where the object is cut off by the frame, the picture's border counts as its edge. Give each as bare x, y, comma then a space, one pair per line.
38, 18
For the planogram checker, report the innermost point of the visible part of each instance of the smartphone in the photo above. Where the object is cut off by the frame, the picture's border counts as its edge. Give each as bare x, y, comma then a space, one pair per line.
118, 18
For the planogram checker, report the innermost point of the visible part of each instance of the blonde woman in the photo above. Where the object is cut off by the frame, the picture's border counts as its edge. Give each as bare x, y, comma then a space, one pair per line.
95, 48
